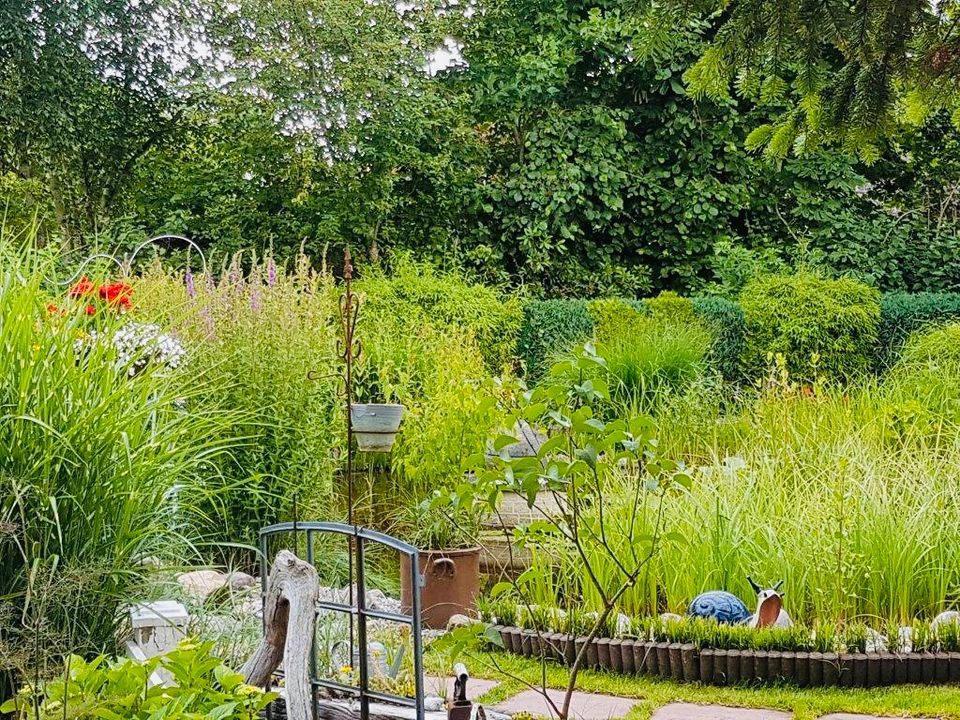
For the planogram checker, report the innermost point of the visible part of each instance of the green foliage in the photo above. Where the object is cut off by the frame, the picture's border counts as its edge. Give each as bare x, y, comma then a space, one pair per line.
202, 687
550, 327
668, 307
904, 313
260, 334
100, 469
725, 321
419, 295
614, 318
824, 328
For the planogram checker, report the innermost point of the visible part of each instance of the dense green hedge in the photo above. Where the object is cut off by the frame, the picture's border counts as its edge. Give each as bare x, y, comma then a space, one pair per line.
903, 313
551, 326
724, 319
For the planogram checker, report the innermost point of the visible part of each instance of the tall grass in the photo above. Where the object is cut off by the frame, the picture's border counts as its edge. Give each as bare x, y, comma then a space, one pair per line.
849, 495
98, 470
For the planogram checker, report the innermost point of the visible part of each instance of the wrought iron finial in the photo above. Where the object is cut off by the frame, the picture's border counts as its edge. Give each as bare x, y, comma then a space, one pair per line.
347, 264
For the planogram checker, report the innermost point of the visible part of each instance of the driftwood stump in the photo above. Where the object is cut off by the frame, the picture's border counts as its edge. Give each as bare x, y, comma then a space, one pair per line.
289, 614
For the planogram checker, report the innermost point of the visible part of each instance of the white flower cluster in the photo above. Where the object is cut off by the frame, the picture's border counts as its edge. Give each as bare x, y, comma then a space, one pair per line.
138, 344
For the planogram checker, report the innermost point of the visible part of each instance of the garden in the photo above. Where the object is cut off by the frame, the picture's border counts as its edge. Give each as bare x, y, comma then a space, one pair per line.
600, 357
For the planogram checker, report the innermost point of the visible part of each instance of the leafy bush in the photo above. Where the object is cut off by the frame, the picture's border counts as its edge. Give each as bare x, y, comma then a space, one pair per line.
203, 687
615, 319
824, 328
670, 307
550, 327
99, 468
904, 313
923, 388
417, 294
725, 321
261, 334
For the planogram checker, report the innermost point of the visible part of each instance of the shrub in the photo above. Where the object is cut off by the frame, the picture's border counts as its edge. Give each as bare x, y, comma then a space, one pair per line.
725, 321
670, 307
550, 327
418, 294
92, 458
904, 313
923, 388
824, 328
615, 319
261, 334
119, 688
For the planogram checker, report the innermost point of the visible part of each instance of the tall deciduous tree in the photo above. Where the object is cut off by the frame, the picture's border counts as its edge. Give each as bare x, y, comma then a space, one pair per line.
86, 88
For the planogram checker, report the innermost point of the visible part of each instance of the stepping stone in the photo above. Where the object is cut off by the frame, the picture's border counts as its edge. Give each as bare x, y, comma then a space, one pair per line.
475, 687
688, 711
853, 716
583, 706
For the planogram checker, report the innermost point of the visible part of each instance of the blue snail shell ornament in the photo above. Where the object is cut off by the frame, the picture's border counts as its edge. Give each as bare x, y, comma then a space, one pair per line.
719, 605
724, 607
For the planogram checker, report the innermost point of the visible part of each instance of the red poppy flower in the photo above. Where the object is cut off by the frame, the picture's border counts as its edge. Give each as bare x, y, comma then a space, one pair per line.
52, 309
82, 288
90, 310
115, 292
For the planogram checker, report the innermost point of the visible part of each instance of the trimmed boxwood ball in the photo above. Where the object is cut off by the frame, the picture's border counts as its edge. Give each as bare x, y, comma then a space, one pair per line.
825, 329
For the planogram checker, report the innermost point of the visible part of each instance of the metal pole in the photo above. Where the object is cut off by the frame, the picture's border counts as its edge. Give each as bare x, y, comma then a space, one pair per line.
349, 309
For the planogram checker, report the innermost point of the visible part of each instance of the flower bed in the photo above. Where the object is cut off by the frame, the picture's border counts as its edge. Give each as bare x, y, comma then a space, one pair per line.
683, 662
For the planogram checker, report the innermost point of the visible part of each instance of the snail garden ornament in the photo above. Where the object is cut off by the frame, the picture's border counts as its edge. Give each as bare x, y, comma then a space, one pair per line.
727, 608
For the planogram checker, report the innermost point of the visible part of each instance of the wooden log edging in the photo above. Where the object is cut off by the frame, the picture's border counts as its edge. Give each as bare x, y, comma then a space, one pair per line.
684, 663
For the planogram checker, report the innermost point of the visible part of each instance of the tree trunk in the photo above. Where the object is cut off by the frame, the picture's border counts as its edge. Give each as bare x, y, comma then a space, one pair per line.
289, 613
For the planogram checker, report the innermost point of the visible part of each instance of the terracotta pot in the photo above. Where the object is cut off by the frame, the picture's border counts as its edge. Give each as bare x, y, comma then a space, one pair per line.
451, 583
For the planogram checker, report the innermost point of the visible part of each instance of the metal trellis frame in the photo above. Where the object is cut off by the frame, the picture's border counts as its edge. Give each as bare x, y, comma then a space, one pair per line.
357, 612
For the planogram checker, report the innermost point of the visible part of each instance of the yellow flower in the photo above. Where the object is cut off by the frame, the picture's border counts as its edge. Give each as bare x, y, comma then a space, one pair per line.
36, 347
248, 691
345, 669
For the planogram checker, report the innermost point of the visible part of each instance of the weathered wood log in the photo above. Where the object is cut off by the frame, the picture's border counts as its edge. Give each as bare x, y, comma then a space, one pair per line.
289, 614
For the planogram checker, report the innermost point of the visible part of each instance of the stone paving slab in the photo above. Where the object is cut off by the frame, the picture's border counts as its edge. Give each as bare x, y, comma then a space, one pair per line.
689, 711
853, 716
475, 687
584, 706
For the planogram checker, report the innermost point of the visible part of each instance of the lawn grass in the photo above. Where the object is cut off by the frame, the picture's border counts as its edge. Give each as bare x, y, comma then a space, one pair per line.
900, 701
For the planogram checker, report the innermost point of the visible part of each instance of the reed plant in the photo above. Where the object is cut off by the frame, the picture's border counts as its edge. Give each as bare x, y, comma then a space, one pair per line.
100, 469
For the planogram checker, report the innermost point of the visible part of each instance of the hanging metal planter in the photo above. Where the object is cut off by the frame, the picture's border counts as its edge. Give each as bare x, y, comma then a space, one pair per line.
375, 426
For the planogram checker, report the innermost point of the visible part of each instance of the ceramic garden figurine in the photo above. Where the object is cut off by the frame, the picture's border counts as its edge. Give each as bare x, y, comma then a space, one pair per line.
727, 608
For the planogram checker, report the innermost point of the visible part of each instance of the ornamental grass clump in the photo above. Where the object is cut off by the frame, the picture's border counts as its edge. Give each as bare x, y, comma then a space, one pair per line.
100, 469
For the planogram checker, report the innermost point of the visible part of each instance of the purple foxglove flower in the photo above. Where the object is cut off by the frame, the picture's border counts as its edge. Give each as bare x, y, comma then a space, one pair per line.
271, 273
191, 286
255, 299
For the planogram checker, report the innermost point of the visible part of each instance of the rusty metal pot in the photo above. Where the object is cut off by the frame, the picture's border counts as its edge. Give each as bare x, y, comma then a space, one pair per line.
451, 583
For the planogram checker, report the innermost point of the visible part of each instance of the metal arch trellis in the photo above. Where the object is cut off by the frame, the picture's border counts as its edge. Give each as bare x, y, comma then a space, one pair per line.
349, 348
358, 537
127, 263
